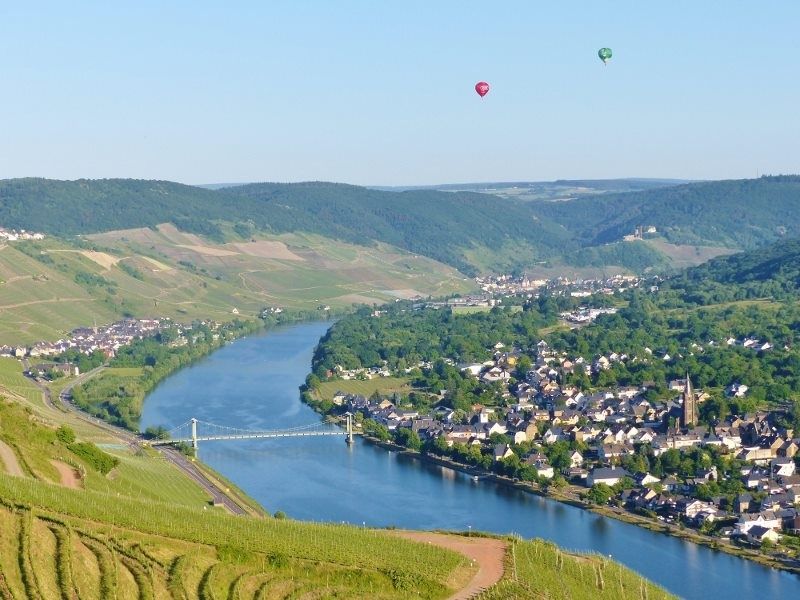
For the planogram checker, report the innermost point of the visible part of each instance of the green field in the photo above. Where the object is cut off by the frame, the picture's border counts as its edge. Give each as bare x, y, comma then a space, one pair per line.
687, 255
124, 371
12, 379
382, 385
48, 288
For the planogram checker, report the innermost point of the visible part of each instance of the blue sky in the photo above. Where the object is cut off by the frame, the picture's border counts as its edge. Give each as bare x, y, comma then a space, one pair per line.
381, 92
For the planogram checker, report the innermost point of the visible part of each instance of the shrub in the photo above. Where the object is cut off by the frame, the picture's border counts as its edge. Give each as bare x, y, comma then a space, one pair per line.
94, 457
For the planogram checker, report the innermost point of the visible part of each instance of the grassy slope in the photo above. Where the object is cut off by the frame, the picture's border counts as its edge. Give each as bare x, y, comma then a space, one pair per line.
28, 424
384, 385
40, 299
538, 569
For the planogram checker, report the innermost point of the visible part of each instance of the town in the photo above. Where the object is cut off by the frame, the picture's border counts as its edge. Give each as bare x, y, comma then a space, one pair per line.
510, 285
106, 339
13, 235
735, 480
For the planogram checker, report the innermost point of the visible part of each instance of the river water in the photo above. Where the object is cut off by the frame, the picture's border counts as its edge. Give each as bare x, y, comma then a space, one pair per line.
253, 384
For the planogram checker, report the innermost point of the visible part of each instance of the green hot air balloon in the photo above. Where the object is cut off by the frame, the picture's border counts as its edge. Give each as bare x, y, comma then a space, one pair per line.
604, 54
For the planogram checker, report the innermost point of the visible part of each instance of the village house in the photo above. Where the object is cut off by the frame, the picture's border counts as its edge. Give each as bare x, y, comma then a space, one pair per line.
502, 451
767, 519
609, 476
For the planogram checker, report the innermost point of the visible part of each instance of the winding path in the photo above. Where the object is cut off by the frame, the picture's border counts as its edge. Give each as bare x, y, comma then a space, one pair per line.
9, 460
489, 553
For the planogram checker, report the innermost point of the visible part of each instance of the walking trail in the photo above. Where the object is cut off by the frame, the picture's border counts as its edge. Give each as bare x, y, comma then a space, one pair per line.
69, 478
9, 460
487, 552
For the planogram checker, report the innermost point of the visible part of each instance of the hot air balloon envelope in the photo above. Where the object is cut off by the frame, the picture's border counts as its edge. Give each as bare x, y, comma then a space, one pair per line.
604, 54
482, 88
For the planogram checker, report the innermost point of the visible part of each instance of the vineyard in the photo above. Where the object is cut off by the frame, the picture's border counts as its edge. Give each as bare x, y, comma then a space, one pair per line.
93, 547
539, 569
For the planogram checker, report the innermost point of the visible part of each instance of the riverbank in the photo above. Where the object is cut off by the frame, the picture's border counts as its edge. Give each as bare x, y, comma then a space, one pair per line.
570, 496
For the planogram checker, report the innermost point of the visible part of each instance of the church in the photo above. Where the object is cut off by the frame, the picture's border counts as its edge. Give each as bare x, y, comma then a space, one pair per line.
689, 413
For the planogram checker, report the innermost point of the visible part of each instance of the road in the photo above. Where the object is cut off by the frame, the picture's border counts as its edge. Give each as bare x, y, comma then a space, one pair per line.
136, 441
190, 469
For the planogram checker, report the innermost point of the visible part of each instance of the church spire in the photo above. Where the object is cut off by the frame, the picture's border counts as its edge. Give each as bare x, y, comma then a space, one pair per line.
689, 416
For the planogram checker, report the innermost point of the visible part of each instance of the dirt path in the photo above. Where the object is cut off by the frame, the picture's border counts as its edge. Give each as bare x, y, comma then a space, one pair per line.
49, 301
69, 478
9, 460
487, 552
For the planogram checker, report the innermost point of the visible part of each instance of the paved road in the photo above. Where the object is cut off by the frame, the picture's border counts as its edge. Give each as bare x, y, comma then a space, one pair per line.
189, 468
136, 441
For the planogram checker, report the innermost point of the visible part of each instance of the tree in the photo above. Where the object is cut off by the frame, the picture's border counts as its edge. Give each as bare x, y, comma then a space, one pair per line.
65, 434
156, 433
600, 494
408, 438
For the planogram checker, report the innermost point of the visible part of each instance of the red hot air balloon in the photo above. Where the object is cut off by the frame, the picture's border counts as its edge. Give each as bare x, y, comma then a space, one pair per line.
482, 88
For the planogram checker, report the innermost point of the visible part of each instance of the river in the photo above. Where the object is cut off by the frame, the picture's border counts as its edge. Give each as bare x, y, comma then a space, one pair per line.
253, 383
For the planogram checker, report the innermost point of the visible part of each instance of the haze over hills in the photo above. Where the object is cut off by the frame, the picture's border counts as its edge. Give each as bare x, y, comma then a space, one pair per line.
561, 189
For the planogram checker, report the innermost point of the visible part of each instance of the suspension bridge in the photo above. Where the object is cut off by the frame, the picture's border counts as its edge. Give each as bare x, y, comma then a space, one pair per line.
195, 431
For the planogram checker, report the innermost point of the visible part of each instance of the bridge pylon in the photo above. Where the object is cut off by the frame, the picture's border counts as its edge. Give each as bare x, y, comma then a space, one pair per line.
349, 439
194, 435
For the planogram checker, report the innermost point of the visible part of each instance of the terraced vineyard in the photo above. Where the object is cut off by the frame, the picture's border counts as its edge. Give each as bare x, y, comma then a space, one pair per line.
47, 551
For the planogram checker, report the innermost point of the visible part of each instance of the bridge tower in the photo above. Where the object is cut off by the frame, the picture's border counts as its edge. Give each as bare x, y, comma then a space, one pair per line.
194, 435
349, 439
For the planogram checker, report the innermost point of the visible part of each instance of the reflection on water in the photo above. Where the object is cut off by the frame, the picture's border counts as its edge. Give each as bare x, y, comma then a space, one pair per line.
599, 525
254, 384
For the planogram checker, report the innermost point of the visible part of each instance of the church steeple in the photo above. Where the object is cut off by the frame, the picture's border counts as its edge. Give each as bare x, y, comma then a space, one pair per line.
689, 416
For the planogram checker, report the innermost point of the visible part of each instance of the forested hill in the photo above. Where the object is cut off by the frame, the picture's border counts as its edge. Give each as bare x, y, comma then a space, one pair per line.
470, 231
738, 213
436, 224
91, 206
770, 272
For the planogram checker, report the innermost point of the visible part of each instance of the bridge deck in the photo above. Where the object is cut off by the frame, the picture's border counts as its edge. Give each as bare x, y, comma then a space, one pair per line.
251, 436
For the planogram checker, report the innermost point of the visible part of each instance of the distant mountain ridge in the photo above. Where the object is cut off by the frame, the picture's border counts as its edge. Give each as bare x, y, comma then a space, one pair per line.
468, 230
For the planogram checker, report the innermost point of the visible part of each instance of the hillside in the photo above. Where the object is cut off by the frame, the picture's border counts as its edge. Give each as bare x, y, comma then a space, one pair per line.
772, 272
52, 286
739, 213
436, 224
473, 232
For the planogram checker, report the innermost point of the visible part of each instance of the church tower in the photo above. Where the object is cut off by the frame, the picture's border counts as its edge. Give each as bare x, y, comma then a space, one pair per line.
689, 416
